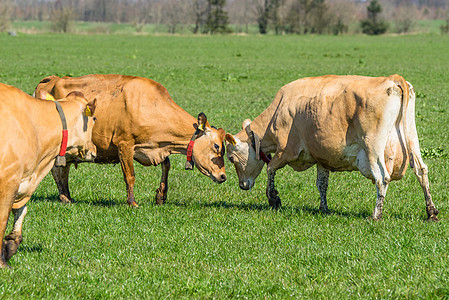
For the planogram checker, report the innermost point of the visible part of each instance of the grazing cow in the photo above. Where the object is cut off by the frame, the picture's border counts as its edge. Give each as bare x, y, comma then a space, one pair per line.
137, 119
34, 135
339, 123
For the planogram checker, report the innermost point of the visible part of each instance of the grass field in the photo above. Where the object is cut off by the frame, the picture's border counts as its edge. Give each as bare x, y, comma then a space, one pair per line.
217, 241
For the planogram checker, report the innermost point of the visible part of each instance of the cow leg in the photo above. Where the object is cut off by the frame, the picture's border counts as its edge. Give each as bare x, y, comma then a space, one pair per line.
161, 192
381, 188
126, 156
61, 177
381, 179
6, 202
13, 240
272, 194
322, 180
420, 169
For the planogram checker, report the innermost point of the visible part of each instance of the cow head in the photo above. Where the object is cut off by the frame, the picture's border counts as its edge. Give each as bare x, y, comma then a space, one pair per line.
243, 151
79, 115
208, 150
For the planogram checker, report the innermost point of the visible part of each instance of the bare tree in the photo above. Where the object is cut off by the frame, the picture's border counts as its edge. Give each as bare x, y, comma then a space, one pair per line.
198, 12
5, 15
173, 14
241, 13
404, 18
62, 17
445, 27
263, 10
344, 12
307, 16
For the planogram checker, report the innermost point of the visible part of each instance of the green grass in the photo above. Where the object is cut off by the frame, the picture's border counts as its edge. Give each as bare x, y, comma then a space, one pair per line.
217, 241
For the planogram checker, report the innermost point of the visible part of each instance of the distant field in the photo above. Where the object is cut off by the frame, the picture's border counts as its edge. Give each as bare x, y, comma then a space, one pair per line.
420, 26
217, 241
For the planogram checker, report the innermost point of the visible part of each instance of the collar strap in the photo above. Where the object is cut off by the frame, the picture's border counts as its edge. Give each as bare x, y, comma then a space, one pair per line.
60, 159
189, 162
190, 150
265, 158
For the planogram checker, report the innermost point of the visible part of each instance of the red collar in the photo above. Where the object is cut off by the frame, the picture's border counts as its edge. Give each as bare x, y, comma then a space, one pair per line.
190, 150
264, 157
60, 159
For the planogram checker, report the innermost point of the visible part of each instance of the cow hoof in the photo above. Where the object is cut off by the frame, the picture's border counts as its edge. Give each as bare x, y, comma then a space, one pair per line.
325, 210
374, 218
432, 218
64, 199
4, 265
160, 199
161, 195
9, 249
275, 202
133, 204
432, 212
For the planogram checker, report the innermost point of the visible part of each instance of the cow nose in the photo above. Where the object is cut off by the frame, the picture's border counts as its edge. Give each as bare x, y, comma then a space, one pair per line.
222, 178
244, 185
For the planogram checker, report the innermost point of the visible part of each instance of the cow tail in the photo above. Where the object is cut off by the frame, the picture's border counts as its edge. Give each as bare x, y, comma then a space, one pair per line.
403, 85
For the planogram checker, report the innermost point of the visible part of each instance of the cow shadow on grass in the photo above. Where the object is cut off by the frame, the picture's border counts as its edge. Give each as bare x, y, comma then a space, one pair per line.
103, 202
301, 209
240, 206
331, 212
30, 248
47, 198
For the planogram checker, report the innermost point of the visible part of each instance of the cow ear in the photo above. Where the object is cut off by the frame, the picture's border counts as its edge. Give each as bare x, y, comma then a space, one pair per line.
230, 139
221, 133
44, 95
246, 123
202, 120
90, 108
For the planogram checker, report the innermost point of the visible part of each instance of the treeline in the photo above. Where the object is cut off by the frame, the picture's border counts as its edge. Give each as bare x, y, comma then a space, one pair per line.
214, 16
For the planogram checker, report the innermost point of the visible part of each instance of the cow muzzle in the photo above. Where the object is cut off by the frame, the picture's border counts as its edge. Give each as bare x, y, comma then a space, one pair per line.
246, 184
219, 179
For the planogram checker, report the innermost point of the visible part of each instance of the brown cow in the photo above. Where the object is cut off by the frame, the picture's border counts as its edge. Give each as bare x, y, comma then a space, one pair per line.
137, 119
32, 137
339, 123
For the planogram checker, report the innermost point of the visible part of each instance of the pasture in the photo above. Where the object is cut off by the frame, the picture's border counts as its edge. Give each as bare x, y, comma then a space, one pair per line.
217, 241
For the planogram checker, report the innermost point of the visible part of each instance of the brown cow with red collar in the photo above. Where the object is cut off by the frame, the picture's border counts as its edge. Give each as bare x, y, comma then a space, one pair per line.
138, 120
32, 138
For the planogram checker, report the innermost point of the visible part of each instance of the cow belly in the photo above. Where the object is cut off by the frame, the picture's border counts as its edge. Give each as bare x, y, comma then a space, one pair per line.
150, 157
349, 158
25, 186
26, 189
304, 161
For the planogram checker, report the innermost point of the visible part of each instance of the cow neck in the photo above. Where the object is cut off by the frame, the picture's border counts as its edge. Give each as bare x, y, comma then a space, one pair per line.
182, 134
60, 160
260, 126
49, 138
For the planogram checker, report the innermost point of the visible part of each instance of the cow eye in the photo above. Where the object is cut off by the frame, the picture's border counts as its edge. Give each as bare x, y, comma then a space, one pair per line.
217, 148
231, 159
